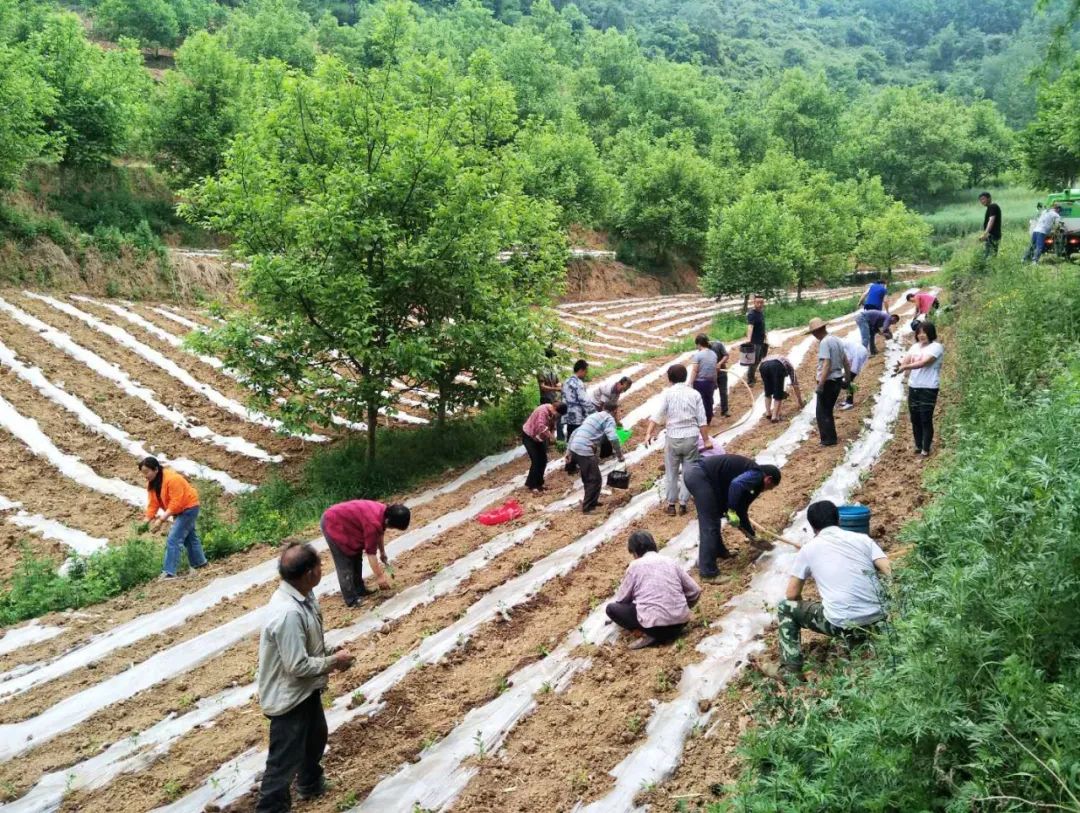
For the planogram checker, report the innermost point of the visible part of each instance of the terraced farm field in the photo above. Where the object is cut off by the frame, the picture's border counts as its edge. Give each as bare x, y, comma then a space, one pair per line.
488, 679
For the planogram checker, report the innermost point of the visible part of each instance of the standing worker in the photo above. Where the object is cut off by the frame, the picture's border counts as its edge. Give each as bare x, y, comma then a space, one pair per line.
856, 356
683, 412
354, 529
292, 673
924, 361
755, 335
578, 405
1044, 227
550, 388
722, 359
584, 452
725, 485
991, 233
844, 564
831, 376
655, 596
536, 434
772, 378
169, 492
703, 365
870, 323
873, 298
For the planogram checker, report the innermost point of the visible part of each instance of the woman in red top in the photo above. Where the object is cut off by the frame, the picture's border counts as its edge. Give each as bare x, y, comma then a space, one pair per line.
535, 434
354, 529
169, 493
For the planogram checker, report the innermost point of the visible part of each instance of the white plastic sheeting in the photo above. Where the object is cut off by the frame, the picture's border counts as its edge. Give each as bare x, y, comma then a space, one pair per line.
149, 354
741, 629
27, 431
91, 420
234, 778
78, 541
62, 341
133, 753
33, 633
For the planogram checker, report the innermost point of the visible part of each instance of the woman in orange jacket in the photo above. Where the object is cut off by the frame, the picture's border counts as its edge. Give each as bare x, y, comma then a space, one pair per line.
169, 492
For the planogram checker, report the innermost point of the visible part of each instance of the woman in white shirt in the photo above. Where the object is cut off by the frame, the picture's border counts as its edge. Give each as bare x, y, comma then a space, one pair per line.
924, 361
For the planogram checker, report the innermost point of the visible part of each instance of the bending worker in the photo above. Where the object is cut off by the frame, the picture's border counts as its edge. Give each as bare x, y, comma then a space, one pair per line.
353, 529
725, 484
168, 492
583, 449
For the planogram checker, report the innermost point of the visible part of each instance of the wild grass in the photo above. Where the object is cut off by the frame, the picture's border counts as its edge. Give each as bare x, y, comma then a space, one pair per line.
974, 702
961, 214
274, 511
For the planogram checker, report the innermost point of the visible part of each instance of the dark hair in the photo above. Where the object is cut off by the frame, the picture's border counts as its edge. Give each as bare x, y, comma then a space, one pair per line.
292, 566
984, 195
627, 381
154, 484
560, 408
909, 297
550, 352
640, 543
929, 329
822, 514
580, 365
676, 373
893, 319
398, 516
701, 340
771, 471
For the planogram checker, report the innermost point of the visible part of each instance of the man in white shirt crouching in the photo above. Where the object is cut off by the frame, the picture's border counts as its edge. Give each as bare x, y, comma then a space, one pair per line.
845, 566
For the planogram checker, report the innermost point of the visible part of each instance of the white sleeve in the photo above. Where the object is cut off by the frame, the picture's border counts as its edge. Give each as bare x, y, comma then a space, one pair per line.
801, 568
875, 551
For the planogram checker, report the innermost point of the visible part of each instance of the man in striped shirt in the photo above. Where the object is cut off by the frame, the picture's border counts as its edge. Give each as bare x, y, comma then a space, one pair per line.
584, 451
578, 405
684, 413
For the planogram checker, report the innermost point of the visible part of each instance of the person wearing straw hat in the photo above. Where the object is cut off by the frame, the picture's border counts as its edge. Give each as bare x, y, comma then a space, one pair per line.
832, 373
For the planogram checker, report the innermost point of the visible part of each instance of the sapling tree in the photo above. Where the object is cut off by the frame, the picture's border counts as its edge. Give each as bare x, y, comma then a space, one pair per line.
893, 235
372, 208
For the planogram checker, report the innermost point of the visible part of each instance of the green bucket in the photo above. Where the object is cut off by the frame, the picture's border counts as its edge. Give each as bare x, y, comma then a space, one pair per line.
624, 435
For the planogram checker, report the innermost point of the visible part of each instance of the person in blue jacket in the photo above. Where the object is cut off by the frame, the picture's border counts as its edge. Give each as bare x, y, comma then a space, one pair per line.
725, 484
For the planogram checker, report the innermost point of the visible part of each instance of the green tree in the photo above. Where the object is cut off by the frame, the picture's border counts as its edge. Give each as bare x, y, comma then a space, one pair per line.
891, 236
100, 95
373, 209
1051, 143
667, 193
913, 138
198, 109
25, 101
152, 22
753, 246
272, 29
562, 164
804, 115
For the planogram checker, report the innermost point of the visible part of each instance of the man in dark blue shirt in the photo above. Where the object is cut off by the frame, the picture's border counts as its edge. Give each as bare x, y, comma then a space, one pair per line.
871, 323
724, 484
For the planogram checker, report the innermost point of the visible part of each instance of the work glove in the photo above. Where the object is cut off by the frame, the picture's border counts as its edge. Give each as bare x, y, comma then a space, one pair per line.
733, 519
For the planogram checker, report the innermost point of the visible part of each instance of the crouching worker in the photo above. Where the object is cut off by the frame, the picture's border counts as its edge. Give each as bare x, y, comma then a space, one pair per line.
725, 485
354, 529
844, 564
655, 595
583, 452
293, 669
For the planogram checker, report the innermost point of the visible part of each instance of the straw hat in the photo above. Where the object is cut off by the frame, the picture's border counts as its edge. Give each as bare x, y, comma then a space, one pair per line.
816, 324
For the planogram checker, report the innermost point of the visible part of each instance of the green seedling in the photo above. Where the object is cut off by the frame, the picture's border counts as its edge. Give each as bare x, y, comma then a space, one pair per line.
348, 801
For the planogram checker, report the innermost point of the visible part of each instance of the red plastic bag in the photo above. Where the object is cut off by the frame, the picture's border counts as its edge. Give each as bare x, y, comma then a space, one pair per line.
511, 509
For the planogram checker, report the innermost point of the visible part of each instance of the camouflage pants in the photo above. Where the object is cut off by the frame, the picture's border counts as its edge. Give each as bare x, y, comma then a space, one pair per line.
795, 616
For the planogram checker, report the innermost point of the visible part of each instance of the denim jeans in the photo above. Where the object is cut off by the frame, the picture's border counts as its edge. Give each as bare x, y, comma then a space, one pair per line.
706, 388
865, 333
182, 534
1040, 245
297, 742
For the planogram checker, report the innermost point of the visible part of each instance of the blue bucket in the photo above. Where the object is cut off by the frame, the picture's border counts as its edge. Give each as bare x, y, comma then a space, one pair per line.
855, 518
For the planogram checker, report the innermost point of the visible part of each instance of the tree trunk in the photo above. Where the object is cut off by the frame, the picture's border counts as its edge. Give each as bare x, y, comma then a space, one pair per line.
745, 303
440, 409
372, 427
798, 289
